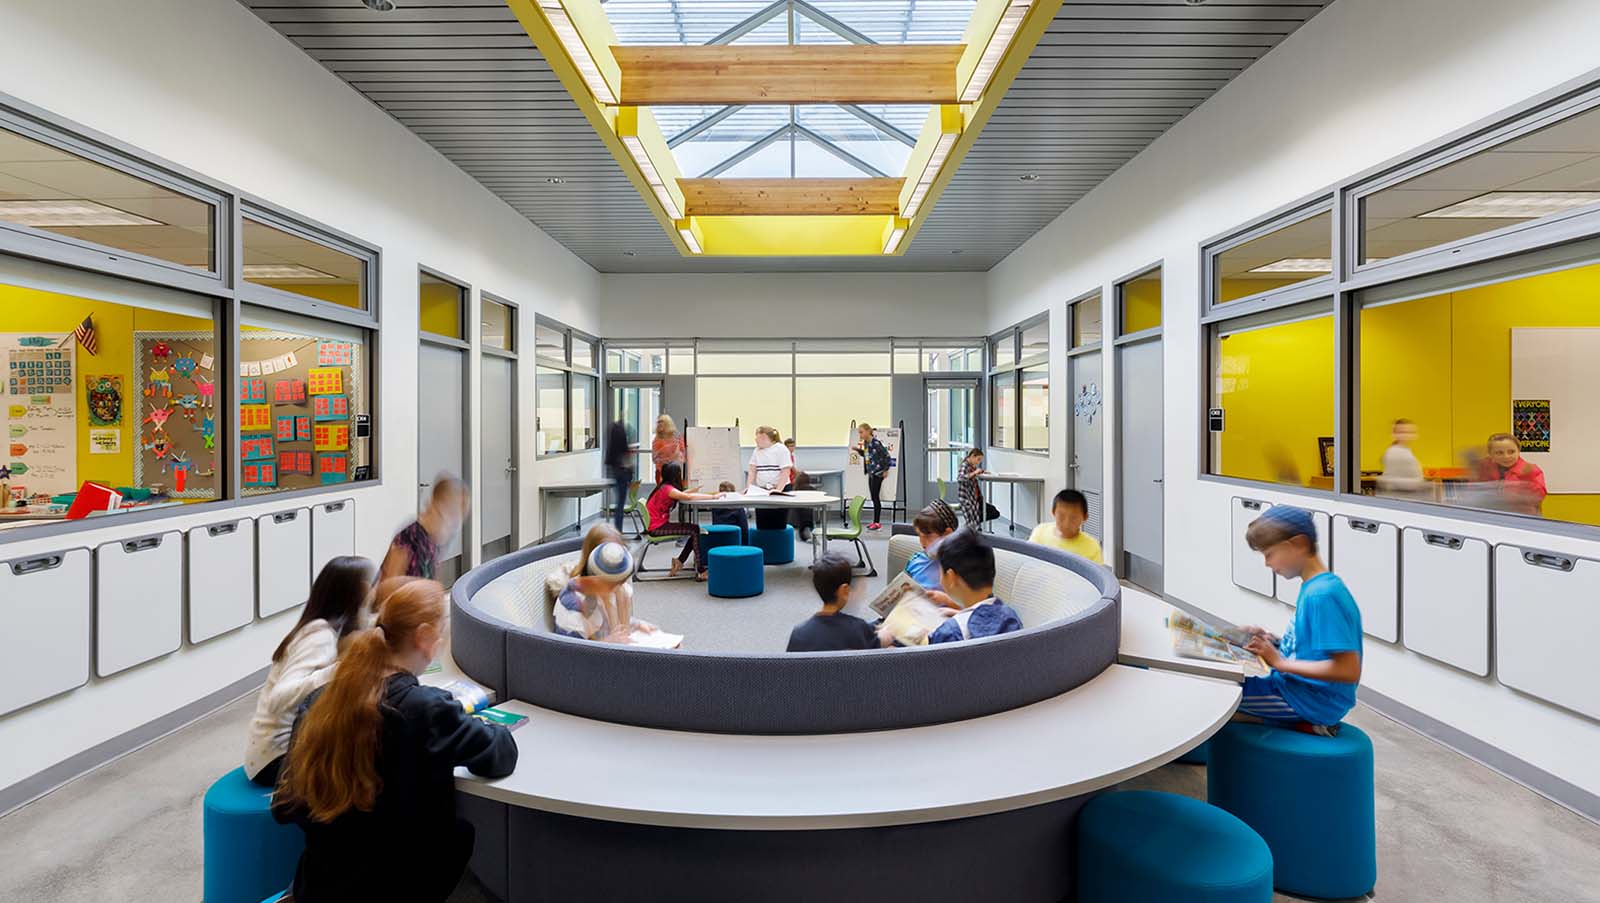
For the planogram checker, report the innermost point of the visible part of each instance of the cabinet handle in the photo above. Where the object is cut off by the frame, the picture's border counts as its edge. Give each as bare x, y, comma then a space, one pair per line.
285, 517
1443, 540
143, 544
1549, 560
221, 529
1251, 504
35, 565
331, 507
1365, 526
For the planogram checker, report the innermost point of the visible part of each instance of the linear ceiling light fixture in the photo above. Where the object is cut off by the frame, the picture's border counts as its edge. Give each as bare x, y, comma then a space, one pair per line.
70, 212
285, 271
628, 131
686, 232
995, 50
572, 42
949, 130
1514, 205
1297, 265
897, 233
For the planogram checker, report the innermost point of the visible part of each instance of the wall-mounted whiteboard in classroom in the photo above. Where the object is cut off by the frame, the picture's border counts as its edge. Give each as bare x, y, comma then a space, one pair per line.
855, 477
222, 560
1249, 571
1369, 564
713, 457
1444, 598
46, 601
1546, 619
333, 532
138, 601
1561, 367
283, 560
1289, 587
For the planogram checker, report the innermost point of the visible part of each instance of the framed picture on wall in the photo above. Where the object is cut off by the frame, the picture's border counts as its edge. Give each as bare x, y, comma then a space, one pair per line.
1325, 454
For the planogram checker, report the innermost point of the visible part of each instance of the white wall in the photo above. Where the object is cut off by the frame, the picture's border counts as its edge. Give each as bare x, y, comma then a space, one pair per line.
824, 305
1362, 82
207, 85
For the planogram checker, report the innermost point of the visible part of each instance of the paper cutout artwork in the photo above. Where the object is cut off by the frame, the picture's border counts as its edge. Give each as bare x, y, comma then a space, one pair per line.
185, 367
285, 429
258, 448
325, 381
289, 391
331, 407
296, 462
333, 468
255, 418
104, 395
252, 390
333, 354
331, 437
260, 474
302, 429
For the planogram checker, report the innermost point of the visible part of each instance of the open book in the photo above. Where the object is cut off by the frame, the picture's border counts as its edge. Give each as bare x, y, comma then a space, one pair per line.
655, 639
907, 611
1194, 638
893, 593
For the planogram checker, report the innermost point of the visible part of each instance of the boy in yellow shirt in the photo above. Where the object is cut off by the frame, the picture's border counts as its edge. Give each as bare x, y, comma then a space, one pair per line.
1070, 509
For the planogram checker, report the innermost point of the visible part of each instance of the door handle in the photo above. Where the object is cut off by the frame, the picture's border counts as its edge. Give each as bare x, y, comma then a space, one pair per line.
511, 470
1158, 480
423, 485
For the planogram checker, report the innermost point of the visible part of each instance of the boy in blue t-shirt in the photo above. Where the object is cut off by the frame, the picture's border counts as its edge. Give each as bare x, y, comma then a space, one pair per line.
1317, 664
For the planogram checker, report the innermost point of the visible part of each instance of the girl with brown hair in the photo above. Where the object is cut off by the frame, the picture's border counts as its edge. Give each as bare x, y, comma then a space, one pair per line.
371, 762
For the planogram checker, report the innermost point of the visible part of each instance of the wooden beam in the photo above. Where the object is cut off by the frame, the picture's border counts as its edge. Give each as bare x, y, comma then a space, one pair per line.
791, 197
769, 74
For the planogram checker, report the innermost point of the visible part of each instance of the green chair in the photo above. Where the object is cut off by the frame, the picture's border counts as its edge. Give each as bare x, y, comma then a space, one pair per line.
942, 486
852, 531
635, 509
638, 510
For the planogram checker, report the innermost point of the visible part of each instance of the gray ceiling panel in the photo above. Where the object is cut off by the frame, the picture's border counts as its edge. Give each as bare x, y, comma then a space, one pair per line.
1106, 80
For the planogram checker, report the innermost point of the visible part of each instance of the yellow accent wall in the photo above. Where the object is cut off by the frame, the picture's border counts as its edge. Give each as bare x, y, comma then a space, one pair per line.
440, 309
1275, 386
1141, 304
30, 310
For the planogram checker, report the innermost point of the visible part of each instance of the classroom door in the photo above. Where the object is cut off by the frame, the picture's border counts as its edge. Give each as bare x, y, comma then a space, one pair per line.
441, 433
1086, 471
1140, 469
637, 403
498, 466
952, 421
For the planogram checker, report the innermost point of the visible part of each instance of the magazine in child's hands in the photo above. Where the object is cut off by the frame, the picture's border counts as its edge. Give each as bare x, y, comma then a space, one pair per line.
1194, 638
914, 618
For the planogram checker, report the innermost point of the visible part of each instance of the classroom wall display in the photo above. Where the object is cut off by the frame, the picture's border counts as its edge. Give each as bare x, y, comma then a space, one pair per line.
255, 418
333, 468
260, 474
288, 391
325, 381
302, 429
40, 410
174, 382
1553, 375
310, 379
331, 407
256, 448
855, 478
331, 436
1530, 423
712, 457
103, 395
294, 462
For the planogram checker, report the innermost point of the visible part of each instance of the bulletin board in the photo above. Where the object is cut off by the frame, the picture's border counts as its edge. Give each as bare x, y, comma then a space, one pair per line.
171, 416
1555, 410
38, 405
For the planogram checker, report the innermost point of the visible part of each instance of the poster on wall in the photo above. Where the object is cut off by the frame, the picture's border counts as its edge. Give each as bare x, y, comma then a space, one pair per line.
41, 412
1530, 423
855, 478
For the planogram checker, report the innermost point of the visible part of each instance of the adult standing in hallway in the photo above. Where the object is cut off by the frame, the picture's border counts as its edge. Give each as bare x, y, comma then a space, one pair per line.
619, 468
667, 447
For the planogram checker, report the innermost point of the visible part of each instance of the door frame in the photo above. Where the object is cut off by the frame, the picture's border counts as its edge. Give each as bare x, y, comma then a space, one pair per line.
658, 380
1119, 343
516, 409
977, 383
469, 548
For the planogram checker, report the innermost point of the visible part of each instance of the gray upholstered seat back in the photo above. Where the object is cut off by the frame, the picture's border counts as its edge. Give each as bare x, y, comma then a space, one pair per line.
1041, 592
519, 596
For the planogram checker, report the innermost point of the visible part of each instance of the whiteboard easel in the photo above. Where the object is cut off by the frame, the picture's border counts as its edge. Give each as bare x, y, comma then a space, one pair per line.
855, 478
712, 457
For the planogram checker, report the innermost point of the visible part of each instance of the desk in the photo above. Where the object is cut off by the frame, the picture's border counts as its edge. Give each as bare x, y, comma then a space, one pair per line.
818, 477
1123, 723
1147, 643
575, 489
1012, 479
816, 501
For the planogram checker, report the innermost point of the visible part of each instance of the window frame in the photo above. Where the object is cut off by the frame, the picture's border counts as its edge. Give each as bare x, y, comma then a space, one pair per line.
1118, 337
1016, 367
1306, 289
568, 336
464, 316
1098, 293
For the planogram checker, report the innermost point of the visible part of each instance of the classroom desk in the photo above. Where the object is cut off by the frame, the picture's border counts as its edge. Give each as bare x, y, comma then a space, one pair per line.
819, 477
816, 501
1123, 723
1012, 479
574, 489
1147, 643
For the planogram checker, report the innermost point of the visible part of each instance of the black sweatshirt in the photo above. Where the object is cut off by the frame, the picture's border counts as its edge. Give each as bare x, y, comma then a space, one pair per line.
379, 855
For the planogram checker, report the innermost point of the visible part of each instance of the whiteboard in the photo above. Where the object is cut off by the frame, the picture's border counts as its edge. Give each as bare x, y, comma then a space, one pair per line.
712, 456
1369, 565
1561, 366
46, 598
283, 561
1289, 587
221, 557
1546, 616
138, 601
1249, 569
333, 533
1444, 590
855, 479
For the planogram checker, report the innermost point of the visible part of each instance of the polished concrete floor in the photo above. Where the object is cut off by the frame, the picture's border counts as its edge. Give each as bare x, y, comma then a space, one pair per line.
1448, 828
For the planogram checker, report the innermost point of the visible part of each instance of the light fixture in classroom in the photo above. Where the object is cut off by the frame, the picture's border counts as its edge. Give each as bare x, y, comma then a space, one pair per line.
1514, 205
280, 272
1297, 265
572, 42
687, 234
652, 176
950, 121
73, 212
379, 6
896, 234
995, 50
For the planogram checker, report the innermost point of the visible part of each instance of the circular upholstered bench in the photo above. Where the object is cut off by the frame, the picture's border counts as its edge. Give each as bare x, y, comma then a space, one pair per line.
714, 772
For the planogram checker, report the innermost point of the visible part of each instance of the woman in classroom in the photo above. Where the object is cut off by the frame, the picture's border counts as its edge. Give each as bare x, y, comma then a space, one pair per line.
667, 447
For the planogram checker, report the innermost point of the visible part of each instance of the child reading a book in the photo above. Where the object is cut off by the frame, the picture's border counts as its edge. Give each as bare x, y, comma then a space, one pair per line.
932, 524
371, 764
1316, 665
737, 517
1070, 509
967, 564
594, 597
830, 628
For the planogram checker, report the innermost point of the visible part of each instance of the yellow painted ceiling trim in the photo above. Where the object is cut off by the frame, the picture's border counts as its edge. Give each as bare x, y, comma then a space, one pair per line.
943, 120
637, 126
792, 236
985, 19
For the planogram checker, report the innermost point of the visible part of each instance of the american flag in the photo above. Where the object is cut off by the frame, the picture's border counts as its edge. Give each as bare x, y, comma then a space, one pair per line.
85, 335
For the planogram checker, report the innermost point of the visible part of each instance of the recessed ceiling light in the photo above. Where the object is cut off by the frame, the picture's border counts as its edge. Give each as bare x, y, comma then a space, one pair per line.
69, 213
279, 272
956, 251
378, 6
1514, 205
629, 253
1029, 177
556, 180
1195, 2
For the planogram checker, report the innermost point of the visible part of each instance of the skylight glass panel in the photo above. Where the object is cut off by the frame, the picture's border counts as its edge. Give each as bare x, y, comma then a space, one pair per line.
701, 21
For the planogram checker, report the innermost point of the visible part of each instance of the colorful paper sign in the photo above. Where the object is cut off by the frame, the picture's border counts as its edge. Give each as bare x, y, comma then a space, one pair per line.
252, 390
331, 437
302, 429
289, 391
260, 474
255, 418
258, 448
333, 468
333, 354
331, 407
105, 442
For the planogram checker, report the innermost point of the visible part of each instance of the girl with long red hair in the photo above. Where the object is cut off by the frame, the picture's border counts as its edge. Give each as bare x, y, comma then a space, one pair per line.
369, 773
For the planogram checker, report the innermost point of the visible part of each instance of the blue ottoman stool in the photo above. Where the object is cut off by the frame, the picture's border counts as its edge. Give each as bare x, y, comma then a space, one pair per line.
777, 544
718, 535
1140, 846
247, 854
1196, 756
1279, 781
735, 572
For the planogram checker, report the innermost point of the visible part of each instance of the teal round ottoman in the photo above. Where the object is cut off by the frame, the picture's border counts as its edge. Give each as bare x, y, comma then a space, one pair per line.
1309, 797
247, 855
778, 545
1140, 846
1196, 756
735, 572
718, 535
